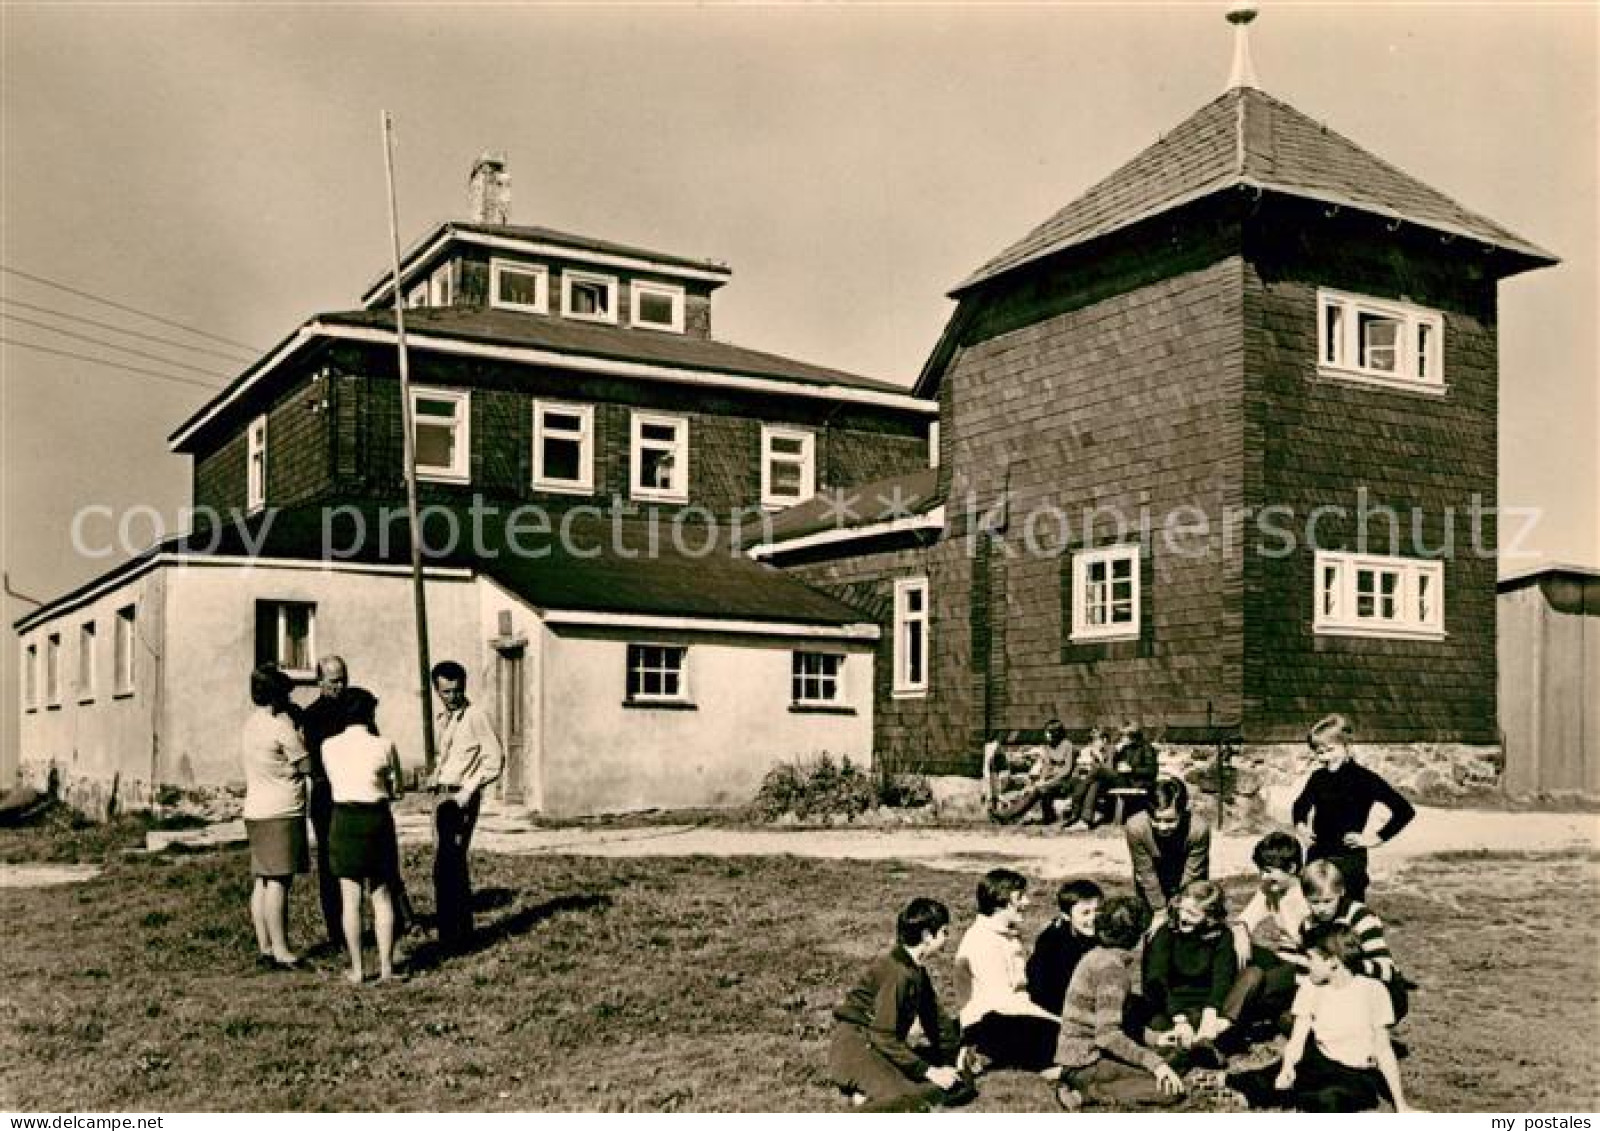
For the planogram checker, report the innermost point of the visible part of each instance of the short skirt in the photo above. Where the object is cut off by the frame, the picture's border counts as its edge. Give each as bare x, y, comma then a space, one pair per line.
278, 846
361, 841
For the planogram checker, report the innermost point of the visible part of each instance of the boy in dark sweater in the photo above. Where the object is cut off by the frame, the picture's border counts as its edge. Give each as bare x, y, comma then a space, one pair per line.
1063, 943
1335, 806
870, 1057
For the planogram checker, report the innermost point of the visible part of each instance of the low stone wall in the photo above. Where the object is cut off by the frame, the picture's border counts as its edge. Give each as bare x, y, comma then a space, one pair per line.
1262, 780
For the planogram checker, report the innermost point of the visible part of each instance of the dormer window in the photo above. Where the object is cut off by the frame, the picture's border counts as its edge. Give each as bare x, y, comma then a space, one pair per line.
588, 297
441, 286
519, 286
1381, 342
657, 306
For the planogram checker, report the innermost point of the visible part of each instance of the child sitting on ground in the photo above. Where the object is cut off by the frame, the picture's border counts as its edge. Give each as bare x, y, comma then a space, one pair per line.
1189, 967
1268, 937
1000, 1025
870, 1056
1328, 902
1100, 1062
1339, 1058
1063, 943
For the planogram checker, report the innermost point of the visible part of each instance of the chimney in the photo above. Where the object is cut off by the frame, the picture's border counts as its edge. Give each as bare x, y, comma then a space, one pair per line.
489, 190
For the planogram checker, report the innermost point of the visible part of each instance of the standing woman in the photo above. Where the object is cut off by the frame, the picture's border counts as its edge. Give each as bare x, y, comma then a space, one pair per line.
275, 767
364, 775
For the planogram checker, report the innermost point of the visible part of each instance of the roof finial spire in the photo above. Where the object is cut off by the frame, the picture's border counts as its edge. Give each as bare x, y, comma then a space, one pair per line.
1244, 71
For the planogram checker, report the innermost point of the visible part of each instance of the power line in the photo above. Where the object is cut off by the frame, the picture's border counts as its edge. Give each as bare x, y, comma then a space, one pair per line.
129, 309
110, 364
233, 357
94, 341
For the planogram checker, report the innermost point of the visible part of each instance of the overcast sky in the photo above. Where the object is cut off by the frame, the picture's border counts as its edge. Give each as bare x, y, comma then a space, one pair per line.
222, 166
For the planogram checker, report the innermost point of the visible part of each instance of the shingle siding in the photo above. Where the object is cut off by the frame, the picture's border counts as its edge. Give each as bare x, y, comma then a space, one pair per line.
1318, 441
350, 448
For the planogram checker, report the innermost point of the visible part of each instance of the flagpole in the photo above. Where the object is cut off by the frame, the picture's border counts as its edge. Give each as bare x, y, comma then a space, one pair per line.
408, 439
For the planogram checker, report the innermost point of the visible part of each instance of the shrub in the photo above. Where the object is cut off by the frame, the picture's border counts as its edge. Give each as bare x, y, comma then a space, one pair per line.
824, 788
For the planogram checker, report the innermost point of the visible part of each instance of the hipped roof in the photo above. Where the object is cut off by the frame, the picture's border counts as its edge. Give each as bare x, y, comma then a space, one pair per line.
1248, 138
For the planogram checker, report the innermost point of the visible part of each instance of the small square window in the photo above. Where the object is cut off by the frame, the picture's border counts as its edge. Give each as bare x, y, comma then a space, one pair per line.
788, 466
657, 306
1105, 593
656, 673
563, 447
441, 430
660, 458
588, 297
286, 636
518, 286
816, 678
442, 285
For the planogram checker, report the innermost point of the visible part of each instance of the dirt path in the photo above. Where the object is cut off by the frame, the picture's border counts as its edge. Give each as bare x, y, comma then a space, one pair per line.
1044, 853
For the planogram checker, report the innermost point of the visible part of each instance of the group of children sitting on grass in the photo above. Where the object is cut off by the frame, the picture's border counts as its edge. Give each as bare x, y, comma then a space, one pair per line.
1118, 1010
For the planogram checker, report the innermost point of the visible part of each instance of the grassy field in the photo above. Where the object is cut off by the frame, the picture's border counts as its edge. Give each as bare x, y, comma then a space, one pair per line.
679, 984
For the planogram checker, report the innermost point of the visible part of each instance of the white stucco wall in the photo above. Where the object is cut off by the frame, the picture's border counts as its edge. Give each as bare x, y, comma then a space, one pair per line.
599, 755
363, 616
93, 740
504, 618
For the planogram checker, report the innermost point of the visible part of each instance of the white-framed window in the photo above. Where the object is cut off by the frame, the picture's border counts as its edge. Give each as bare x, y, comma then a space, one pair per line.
656, 673
659, 457
563, 447
86, 661
442, 433
817, 679
124, 634
589, 297
286, 635
911, 625
519, 286
1105, 593
1379, 341
442, 285
1378, 595
30, 677
256, 464
418, 296
657, 306
52, 670
788, 465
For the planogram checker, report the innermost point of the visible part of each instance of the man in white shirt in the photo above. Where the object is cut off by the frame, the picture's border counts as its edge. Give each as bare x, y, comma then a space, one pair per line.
470, 759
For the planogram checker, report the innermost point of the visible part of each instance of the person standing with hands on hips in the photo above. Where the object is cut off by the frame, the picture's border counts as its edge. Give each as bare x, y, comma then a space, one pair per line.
470, 759
1335, 806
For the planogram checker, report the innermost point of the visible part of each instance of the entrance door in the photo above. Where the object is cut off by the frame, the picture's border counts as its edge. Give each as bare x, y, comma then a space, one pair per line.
512, 718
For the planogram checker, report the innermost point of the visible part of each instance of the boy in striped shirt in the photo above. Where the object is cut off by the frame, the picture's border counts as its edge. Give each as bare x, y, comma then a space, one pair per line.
1325, 894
